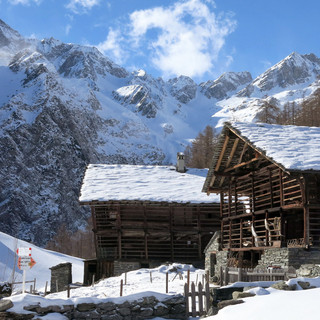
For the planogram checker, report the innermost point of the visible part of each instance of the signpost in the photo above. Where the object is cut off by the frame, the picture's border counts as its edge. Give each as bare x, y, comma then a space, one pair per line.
25, 262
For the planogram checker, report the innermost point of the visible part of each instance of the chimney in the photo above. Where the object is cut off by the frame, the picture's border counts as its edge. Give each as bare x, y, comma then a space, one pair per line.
180, 162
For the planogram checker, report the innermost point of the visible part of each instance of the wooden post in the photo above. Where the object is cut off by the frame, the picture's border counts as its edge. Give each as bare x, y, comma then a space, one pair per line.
186, 294
150, 276
235, 197
306, 228
121, 287
193, 299
207, 293
188, 278
241, 233
229, 198
68, 291
30, 288
167, 282
226, 280
200, 300
253, 194
221, 276
239, 274
45, 288
271, 188
281, 187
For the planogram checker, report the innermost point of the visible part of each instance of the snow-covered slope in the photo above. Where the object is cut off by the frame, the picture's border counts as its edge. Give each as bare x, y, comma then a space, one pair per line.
44, 259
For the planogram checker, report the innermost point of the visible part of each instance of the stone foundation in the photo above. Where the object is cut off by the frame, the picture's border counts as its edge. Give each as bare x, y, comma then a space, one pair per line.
293, 257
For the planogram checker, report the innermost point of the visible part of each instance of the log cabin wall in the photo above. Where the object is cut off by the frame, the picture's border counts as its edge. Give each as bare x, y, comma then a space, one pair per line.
262, 204
262, 209
149, 231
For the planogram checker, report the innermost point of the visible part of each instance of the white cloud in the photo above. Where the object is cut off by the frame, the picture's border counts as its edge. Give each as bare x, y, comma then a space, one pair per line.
184, 38
112, 46
68, 28
81, 6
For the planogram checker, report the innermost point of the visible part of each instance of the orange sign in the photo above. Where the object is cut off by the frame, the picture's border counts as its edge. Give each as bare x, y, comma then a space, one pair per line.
32, 263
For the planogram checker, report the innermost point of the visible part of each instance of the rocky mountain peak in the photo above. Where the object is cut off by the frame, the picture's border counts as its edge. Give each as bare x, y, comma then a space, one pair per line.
183, 88
227, 83
293, 70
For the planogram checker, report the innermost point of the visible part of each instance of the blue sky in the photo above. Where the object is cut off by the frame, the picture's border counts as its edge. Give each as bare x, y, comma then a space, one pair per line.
198, 38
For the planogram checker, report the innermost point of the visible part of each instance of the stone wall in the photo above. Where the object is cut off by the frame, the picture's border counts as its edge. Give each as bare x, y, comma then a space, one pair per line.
293, 257
122, 267
214, 257
61, 275
171, 307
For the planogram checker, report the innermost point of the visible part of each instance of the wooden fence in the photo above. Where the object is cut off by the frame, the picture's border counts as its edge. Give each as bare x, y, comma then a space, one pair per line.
231, 275
197, 302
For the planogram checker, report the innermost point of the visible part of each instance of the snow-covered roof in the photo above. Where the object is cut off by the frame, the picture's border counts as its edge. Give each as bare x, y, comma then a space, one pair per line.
293, 147
104, 182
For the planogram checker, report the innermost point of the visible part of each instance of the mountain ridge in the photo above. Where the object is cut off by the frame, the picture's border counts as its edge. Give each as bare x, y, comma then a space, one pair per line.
65, 105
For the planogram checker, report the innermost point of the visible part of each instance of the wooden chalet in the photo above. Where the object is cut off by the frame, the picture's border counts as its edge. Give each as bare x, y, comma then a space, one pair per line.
268, 178
146, 215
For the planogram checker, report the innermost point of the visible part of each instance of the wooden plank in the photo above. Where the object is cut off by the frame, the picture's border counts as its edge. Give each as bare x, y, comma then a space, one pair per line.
200, 300
193, 300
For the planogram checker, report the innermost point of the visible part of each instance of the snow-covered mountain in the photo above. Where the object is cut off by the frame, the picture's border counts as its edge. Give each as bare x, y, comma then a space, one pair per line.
63, 106
293, 79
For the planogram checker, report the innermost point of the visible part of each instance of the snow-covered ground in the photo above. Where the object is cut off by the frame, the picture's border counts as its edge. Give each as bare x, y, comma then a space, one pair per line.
268, 303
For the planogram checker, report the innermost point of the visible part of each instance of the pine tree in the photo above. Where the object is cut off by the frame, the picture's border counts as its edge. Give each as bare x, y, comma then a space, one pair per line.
199, 154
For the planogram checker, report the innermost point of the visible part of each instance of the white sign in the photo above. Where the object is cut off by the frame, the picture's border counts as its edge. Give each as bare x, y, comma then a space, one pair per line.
24, 252
24, 262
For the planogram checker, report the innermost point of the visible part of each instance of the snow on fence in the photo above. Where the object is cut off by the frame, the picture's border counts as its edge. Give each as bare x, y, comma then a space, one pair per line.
230, 275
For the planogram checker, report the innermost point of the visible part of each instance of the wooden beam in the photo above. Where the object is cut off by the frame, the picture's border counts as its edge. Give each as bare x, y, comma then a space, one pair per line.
245, 147
223, 150
233, 150
242, 164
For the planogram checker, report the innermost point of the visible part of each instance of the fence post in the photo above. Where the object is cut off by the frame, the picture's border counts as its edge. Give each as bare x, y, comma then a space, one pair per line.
167, 282
193, 299
121, 287
200, 299
207, 293
45, 288
186, 294
188, 278
150, 277
68, 291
